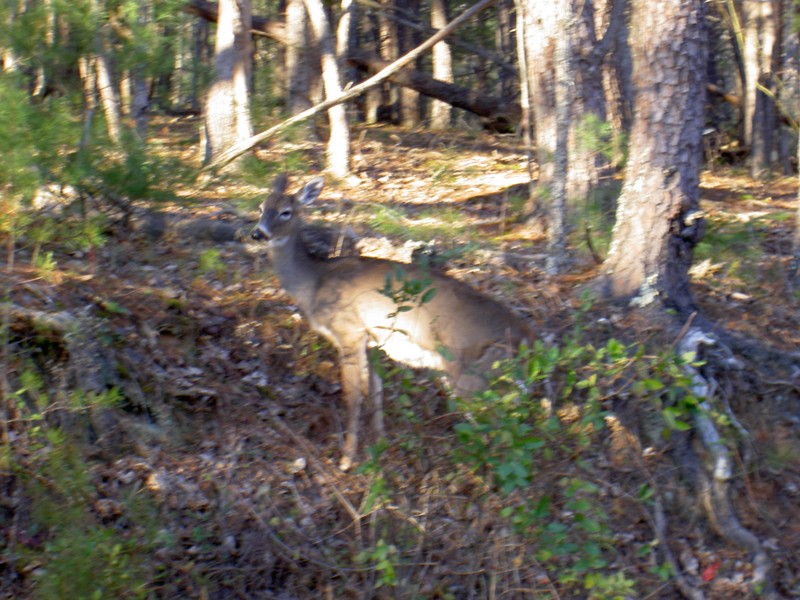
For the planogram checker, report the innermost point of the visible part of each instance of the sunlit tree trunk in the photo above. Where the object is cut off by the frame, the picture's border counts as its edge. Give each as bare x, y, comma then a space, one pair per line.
140, 83
658, 222
338, 152
227, 111
89, 84
562, 61
389, 44
586, 111
410, 114
298, 64
440, 112
106, 86
49, 40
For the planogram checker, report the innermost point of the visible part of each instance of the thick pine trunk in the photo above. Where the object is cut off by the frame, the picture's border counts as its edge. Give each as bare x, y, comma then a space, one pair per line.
658, 222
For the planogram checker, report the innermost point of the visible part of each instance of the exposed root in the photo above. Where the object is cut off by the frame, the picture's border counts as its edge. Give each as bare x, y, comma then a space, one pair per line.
715, 478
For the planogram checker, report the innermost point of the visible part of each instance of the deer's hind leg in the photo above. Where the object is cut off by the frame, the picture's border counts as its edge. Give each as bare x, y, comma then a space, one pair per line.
356, 376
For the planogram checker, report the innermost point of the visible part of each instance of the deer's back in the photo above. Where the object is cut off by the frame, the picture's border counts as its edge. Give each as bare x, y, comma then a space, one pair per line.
455, 324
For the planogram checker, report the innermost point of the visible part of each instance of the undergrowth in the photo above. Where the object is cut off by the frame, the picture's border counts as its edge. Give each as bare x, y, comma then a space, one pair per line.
536, 443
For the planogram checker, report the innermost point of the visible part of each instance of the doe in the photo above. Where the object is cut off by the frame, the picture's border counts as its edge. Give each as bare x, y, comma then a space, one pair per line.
416, 316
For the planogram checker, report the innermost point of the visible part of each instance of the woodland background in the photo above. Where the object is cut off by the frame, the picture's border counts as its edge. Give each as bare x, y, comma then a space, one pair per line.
622, 173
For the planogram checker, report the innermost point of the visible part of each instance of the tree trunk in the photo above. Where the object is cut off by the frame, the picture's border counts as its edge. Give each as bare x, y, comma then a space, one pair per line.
562, 59
616, 65
525, 88
298, 59
587, 166
338, 153
505, 43
140, 84
759, 23
440, 112
410, 109
227, 117
658, 223
587, 108
89, 84
106, 87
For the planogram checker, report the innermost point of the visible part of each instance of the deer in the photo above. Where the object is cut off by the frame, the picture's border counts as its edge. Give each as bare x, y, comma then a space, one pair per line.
416, 316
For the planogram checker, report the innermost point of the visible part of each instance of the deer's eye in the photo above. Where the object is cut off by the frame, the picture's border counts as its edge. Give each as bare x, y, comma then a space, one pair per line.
285, 214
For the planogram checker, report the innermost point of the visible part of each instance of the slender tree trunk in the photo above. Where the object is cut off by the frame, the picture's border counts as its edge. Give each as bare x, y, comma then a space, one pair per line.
759, 22
587, 165
410, 114
199, 49
557, 231
338, 153
541, 34
298, 64
89, 84
227, 115
390, 52
49, 40
504, 43
440, 112
525, 90
106, 87
616, 66
140, 84
587, 106
375, 97
796, 259
109, 98
345, 32
658, 222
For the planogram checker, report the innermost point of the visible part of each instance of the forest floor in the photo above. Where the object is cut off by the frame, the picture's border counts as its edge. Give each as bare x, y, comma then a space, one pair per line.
218, 471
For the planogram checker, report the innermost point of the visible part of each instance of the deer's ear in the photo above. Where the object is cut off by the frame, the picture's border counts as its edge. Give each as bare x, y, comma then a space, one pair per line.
279, 185
310, 191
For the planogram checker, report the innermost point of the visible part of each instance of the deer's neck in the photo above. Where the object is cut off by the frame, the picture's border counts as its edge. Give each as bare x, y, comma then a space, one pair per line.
296, 269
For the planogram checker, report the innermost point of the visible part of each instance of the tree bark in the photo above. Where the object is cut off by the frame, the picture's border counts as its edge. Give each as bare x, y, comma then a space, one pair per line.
338, 153
759, 23
587, 108
298, 59
410, 107
440, 112
557, 231
106, 86
658, 222
227, 116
